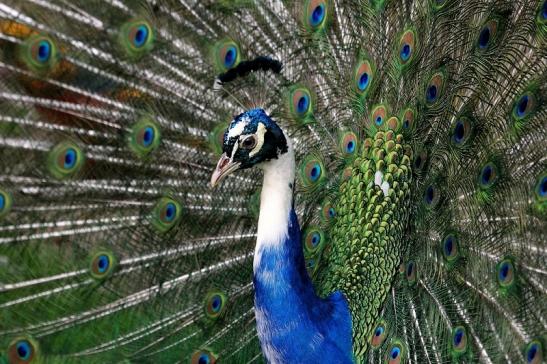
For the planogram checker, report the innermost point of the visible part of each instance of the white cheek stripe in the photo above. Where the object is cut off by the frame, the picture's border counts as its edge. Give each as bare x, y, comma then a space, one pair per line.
234, 150
260, 139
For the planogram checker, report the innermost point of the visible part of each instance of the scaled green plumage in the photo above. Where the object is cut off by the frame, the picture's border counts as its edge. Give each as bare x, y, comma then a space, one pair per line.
367, 238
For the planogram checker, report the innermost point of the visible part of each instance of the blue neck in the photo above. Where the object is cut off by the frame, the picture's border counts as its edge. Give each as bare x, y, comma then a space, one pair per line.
281, 270
293, 323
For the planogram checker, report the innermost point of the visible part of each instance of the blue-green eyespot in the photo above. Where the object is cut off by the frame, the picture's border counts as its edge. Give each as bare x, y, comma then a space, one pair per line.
65, 160
166, 214
136, 38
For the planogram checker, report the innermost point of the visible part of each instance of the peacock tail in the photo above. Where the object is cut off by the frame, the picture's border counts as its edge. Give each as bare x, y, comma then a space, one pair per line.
420, 135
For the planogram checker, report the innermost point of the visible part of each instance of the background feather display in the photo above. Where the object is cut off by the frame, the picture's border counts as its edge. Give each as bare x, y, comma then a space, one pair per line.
115, 249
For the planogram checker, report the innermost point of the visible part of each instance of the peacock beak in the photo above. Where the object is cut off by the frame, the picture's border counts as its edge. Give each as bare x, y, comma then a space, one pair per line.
225, 166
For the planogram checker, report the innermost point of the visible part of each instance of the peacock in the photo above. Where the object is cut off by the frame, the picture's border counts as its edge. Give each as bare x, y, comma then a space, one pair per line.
239, 181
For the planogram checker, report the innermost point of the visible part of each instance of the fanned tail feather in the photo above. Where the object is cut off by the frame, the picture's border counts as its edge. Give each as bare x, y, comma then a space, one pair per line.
114, 247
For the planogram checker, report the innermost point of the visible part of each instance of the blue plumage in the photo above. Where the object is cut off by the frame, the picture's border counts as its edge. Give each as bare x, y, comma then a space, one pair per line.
308, 329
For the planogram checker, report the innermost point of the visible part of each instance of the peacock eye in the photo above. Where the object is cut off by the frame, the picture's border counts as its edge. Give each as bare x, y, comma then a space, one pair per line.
23, 350
249, 142
534, 352
459, 340
215, 305
406, 46
379, 335
379, 114
102, 265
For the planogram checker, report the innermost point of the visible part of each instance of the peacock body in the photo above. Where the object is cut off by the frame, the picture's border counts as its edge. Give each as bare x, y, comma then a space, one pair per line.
407, 138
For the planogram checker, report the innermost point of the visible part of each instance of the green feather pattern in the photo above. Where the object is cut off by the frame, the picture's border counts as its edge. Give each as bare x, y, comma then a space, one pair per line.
420, 137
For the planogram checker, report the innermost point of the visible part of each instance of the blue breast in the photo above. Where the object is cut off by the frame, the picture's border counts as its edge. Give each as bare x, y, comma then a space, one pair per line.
294, 324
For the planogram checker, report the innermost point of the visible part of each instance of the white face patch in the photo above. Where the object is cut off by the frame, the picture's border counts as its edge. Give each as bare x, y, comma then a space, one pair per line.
261, 130
238, 128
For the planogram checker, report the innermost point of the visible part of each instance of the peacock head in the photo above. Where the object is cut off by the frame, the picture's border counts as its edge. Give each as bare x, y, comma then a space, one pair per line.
251, 139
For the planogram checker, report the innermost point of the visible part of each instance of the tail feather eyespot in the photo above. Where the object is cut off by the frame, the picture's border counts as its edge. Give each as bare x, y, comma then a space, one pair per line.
136, 38
316, 13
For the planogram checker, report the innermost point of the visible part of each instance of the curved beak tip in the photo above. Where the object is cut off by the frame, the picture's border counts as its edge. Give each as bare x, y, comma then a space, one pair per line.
225, 166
